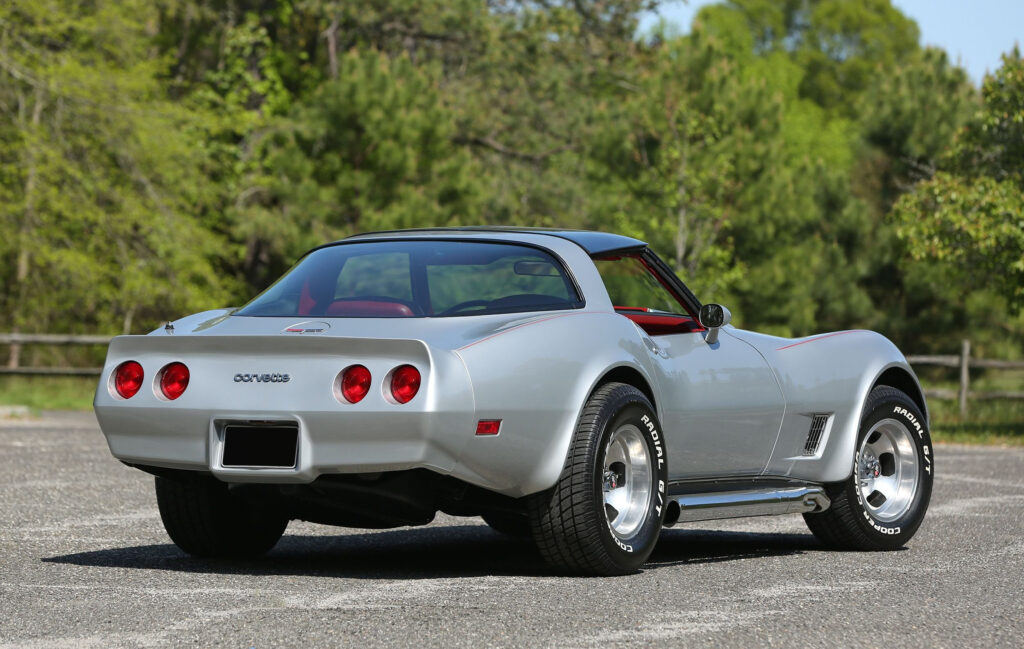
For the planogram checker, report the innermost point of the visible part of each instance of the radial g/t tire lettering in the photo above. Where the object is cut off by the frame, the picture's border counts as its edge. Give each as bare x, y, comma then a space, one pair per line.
883, 503
604, 515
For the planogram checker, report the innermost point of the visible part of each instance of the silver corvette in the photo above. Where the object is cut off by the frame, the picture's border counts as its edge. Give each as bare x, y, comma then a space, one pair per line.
564, 385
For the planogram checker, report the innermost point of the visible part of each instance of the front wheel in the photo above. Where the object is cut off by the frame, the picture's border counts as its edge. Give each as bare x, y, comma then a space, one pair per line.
604, 515
883, 503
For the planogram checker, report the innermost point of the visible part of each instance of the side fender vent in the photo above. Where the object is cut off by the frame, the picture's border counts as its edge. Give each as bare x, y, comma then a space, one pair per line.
814, 436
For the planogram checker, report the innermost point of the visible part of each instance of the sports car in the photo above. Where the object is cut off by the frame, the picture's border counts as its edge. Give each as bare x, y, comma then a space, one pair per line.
566, 386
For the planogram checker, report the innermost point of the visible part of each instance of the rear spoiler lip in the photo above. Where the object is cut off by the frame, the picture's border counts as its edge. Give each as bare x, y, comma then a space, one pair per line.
122, 346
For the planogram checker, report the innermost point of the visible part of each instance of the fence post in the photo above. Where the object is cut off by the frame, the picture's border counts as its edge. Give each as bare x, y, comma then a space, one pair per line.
965, 376
14, 359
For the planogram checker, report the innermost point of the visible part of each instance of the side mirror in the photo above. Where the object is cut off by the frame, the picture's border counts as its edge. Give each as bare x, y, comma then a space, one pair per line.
712, 317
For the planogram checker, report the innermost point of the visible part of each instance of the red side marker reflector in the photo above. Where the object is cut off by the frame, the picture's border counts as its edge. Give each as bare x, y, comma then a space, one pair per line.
488, 426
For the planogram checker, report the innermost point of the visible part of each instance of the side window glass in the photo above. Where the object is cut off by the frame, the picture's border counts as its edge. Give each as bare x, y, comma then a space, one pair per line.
632, 287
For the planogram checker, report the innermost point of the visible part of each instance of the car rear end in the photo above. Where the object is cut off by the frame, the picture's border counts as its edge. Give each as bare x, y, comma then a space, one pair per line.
278, 408
352, 364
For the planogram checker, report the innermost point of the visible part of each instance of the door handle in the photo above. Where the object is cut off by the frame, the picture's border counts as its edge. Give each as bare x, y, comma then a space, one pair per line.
654, 349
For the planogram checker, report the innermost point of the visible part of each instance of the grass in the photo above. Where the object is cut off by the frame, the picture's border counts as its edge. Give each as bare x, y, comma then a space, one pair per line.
999, 423
996, 422
48, 392
988, 422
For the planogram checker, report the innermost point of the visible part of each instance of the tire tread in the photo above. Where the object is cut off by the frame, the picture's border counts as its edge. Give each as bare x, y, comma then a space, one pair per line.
565, 527
839, 527
204, 520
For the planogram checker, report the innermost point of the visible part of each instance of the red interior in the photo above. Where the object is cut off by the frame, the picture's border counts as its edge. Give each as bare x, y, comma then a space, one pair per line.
661, 325
306, 301
354, 308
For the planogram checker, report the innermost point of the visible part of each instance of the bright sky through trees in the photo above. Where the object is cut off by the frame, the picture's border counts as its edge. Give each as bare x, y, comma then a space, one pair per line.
975, 32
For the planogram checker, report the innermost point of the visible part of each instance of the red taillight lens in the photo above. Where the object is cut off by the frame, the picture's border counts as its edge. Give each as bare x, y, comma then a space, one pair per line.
173, 380
355, 383
405, 383
128, 379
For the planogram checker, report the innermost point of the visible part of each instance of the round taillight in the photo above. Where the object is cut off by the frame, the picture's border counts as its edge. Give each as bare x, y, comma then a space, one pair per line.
355, 383
173, 380
405, 383
128, 379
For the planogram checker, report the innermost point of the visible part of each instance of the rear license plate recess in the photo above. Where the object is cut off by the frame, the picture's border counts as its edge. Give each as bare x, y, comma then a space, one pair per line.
261, 446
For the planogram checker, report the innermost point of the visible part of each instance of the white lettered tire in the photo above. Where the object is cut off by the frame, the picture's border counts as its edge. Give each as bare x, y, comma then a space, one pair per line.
604, 515
881, 505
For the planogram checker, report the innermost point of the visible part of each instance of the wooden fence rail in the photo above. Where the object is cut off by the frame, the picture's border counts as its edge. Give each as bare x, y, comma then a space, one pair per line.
963, 361
51, 339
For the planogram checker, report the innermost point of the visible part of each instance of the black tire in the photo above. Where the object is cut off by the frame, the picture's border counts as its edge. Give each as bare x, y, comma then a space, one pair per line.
508, 523
849, 524
569, 521
205, 520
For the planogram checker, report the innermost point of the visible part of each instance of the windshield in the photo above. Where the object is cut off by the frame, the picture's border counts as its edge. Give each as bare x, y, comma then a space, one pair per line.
409, 279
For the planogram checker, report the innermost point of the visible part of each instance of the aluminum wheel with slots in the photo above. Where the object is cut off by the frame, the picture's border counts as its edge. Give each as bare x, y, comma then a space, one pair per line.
627, 480
887, 470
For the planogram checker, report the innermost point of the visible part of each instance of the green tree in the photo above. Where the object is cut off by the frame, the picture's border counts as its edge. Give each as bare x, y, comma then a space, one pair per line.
372, 150
970, 215
97, 175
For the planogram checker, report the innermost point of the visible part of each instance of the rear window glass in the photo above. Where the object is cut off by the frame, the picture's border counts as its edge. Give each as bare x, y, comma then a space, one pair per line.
418, 279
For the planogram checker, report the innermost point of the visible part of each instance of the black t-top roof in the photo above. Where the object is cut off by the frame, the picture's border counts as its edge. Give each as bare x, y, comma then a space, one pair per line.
594, 243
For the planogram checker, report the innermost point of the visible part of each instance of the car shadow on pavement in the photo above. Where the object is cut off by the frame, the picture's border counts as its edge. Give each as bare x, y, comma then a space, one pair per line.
430, 552
693, 546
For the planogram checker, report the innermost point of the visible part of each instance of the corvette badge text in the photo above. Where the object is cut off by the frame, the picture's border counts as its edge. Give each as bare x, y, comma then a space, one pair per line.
262, 378
309, 327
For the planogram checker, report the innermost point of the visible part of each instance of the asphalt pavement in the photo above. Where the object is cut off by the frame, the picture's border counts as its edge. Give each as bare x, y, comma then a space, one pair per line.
85, 562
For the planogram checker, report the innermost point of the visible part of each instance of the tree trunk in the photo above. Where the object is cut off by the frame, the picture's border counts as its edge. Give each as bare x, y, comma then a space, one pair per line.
331, 34
681, 235
127, 323
27, 222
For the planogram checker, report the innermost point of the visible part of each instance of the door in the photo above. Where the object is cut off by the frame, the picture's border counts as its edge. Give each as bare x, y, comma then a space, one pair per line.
721, 404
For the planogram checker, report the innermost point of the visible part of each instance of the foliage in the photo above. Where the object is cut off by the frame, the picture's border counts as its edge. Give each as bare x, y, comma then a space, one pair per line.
97, 175
161, 158
969, 217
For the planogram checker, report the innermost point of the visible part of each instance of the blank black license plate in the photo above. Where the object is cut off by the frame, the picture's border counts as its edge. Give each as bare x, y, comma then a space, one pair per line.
260, 446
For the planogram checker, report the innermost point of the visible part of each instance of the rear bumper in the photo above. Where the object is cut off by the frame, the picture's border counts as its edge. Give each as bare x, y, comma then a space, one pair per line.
328, 442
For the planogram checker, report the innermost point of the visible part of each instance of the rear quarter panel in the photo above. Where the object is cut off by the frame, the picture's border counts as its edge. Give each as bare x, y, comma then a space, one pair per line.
536, 378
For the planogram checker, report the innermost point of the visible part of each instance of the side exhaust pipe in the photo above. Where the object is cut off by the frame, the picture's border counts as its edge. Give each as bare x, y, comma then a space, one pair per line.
685, 508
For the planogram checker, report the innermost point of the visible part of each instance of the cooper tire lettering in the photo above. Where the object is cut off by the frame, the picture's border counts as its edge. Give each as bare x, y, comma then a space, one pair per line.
872, 509
578, 530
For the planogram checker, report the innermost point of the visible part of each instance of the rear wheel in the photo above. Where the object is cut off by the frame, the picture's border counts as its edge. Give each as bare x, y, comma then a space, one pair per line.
883, 503
604, 515
204, 519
